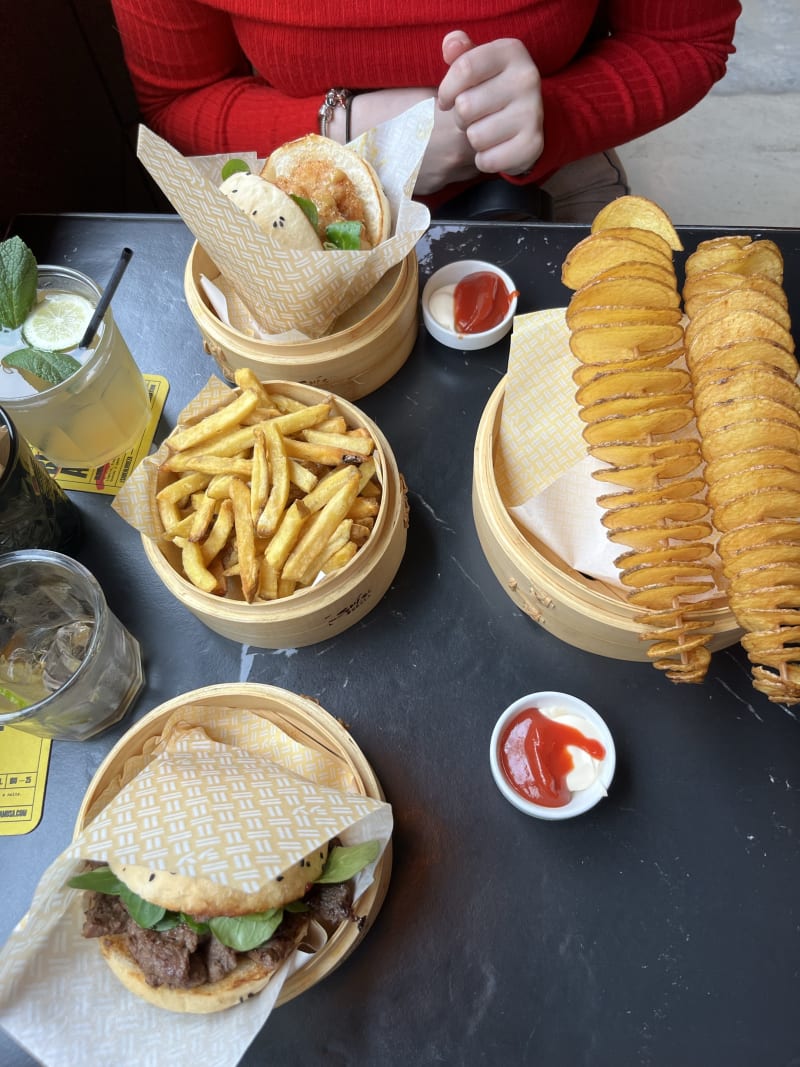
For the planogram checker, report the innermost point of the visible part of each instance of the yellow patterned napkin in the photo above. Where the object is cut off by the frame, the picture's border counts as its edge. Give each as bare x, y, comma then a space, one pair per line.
288, 290
234, 811
136, 500
542, 469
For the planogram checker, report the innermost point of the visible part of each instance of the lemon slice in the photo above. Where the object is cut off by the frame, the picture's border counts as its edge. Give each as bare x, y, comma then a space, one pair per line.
12, 698
57, 322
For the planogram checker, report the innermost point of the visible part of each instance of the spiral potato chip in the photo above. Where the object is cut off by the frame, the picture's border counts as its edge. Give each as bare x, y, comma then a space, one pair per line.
634, 395
638, 213
735, 353
694, 424
740, 356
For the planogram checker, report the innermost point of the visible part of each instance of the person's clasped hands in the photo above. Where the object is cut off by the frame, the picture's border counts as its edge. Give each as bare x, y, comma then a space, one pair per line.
488, 116
492, 93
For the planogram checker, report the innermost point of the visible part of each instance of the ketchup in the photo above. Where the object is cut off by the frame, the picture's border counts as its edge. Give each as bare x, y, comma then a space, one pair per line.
535, 757
481, 302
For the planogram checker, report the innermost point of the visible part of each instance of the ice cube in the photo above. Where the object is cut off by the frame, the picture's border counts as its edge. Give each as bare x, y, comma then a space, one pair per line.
66, 652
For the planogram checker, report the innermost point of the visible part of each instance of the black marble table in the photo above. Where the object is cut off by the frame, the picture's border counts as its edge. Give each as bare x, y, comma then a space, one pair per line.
659, 929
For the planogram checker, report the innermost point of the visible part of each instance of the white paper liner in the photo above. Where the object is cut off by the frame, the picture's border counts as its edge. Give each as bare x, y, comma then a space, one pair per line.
543, 472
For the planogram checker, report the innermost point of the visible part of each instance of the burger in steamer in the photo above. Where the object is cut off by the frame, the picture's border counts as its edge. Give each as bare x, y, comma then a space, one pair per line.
193, 945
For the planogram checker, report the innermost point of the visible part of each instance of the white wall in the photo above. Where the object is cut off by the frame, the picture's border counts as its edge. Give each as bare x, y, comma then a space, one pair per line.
735, 158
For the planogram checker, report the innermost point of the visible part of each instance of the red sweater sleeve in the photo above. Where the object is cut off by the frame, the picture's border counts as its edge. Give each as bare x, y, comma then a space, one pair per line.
195, 86
659, 59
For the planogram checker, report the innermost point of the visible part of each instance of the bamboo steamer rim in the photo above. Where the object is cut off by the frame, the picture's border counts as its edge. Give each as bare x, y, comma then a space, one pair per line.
308, 599
535, 558
303, 719
328, 349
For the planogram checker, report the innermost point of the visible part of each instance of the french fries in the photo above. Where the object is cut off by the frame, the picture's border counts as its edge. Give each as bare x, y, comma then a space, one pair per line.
266, 495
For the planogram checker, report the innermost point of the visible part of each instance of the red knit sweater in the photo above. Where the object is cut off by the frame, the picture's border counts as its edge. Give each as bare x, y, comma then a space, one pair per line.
610, 71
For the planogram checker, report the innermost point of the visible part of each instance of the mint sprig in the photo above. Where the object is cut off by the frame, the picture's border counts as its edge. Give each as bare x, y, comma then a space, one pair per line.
51, 367
18, 278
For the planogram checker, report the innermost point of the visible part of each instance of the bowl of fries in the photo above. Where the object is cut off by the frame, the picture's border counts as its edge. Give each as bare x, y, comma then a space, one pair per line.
278, 513
365, 347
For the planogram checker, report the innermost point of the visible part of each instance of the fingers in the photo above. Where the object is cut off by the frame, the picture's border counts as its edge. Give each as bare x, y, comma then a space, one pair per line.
471, 68
454, 45
493, 92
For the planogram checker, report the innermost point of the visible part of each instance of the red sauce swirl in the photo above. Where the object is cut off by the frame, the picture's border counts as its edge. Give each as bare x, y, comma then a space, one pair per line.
535, 757
481, 302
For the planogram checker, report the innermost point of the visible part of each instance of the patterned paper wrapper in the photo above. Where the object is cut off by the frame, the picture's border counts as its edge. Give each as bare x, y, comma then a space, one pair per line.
136, 500
223, 792
292, 290
543, 472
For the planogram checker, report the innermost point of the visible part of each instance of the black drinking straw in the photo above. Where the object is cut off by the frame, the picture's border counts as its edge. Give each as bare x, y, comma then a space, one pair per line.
105, 297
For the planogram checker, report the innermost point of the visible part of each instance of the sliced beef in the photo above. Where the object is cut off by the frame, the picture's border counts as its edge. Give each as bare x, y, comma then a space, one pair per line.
103, 914
168, 957
332, 904
283, 941
220, 960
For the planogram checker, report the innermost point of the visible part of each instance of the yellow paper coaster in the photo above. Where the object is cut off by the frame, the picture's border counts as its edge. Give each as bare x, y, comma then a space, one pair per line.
110, 477
24, 760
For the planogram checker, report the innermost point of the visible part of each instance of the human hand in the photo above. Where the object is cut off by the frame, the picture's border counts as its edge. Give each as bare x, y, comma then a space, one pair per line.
494, 92
449, 157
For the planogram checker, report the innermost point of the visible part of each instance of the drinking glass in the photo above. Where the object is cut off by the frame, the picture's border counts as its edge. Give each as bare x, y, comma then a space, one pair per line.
98, 412
35, 512
68, 667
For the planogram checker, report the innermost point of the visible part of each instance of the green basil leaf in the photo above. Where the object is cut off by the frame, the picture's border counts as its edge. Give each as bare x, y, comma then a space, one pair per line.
234, 166
296, 907
243, 932
309, 209
344, 862
101, 880
18, 278
343, 235
169, 922
51, 367
141, 911
193, 924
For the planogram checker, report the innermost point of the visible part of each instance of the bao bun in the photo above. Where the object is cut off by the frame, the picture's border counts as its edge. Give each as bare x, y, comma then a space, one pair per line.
275, 213
202, 897
336, 178
203, 900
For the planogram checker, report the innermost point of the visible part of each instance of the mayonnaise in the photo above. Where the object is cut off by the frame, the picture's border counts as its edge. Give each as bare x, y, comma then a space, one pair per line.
586, 769
442, 306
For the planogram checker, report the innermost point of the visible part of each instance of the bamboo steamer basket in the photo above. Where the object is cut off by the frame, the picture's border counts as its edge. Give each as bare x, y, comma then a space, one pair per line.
302, 719
581, 611
317, 612
366, 346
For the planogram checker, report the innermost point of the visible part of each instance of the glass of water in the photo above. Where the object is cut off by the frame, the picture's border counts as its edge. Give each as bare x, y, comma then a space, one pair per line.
68, 667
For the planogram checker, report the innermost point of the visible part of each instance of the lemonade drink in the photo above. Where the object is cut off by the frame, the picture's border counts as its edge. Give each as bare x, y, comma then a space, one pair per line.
102, 408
